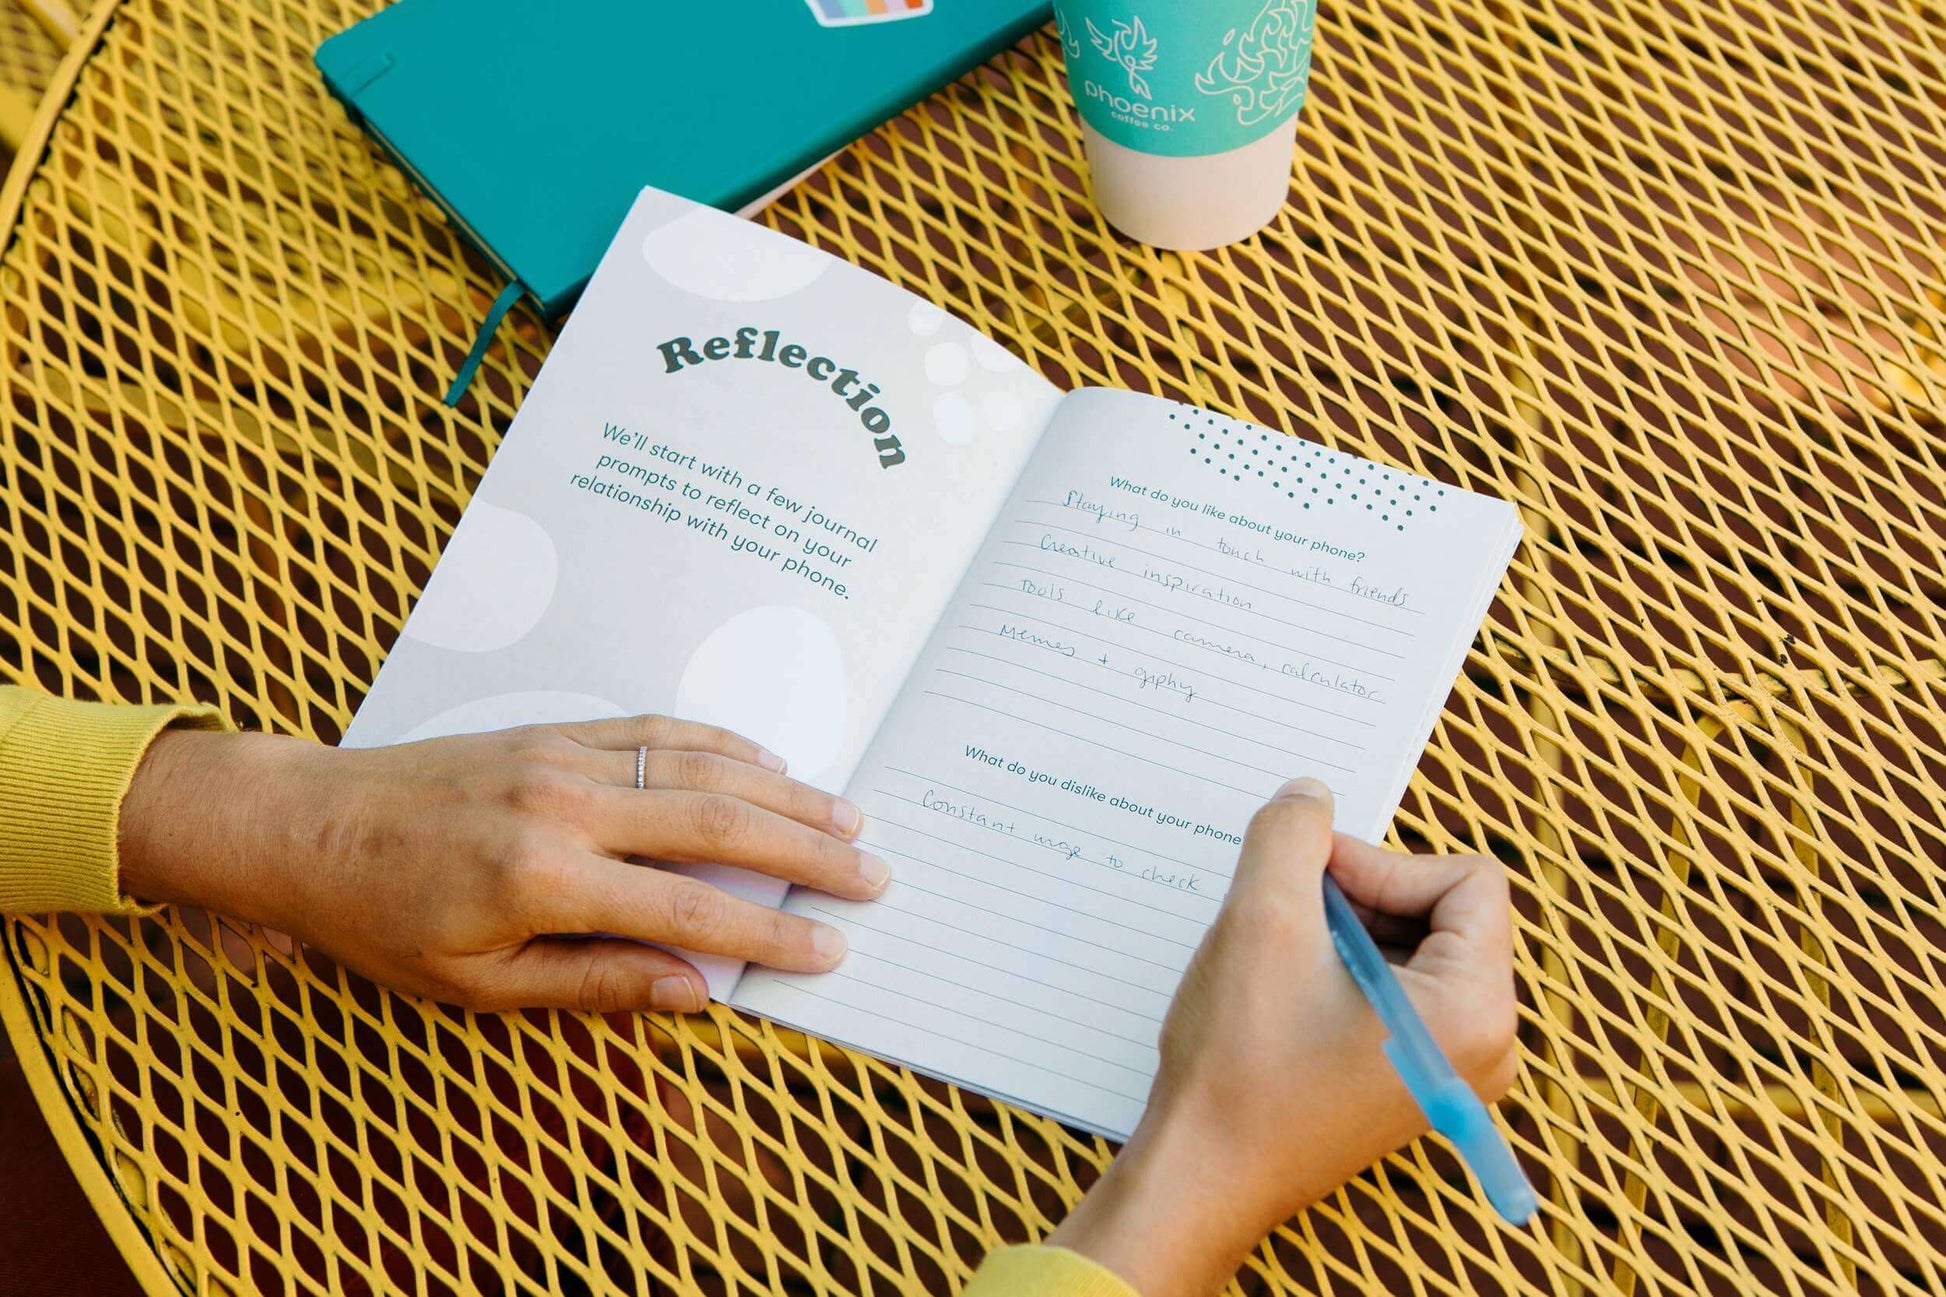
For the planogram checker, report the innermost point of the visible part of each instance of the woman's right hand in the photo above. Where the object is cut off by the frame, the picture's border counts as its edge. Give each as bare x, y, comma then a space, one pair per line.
467, 869
1273, 1088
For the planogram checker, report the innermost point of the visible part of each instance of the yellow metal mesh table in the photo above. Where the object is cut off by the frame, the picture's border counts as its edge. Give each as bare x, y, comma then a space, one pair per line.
29, 54
1668, 275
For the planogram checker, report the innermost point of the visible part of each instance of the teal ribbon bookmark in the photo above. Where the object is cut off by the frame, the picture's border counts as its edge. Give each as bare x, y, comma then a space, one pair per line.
488, 327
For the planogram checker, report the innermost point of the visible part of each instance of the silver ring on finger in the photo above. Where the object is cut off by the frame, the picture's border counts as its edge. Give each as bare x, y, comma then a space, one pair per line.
641, 768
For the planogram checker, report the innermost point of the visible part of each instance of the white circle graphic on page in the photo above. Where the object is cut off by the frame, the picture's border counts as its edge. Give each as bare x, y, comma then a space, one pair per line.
1001, 411
775, 675
711, 256
492, 586
953, 419
505, 711
993, 357
947, 363
925, 319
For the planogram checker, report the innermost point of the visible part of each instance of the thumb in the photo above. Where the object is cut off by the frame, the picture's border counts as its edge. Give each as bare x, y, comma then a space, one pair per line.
1287, 846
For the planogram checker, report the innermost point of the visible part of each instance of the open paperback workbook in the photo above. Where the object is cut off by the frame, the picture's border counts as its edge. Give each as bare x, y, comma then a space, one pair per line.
1058, 647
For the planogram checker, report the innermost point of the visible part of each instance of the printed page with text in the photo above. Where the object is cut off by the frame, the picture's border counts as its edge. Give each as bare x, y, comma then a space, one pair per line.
739, 492
1173, 614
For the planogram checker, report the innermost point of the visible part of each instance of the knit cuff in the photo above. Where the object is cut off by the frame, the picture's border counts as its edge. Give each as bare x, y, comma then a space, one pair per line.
1044, 1272
64, 768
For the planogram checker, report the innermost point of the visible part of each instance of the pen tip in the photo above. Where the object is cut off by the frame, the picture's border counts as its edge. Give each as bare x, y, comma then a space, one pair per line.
1519, 1206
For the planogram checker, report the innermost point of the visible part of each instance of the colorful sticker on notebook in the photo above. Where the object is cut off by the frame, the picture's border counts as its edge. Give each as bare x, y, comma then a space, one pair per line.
846, 13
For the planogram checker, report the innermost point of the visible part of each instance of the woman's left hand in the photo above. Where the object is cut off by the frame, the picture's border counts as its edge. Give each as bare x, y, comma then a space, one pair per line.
468, 869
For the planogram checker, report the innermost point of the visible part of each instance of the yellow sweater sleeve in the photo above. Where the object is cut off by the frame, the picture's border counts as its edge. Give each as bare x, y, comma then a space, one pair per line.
64, 767
1040, 1271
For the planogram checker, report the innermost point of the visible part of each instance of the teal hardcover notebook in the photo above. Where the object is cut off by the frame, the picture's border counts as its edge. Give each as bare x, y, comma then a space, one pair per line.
536, 125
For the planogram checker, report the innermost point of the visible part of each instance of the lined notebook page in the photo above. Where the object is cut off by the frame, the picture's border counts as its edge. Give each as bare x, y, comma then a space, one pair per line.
1174, 614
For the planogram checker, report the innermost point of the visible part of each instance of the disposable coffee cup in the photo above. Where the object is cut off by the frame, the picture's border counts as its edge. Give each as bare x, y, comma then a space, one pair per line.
1188, 111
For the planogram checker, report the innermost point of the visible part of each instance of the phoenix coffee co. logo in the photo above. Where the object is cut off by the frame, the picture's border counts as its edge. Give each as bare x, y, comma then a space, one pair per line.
1262, 68
851, 13
1129, 47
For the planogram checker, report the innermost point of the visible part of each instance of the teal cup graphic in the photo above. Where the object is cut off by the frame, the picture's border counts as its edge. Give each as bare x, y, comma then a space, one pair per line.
1189, 110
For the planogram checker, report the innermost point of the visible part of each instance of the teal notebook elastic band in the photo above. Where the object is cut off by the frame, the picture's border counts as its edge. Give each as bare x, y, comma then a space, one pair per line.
488, 327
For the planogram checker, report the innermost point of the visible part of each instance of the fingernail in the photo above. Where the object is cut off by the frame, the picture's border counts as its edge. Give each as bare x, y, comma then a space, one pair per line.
874, 871
770, 761
829, 945
1305, 787
846, 818
676, 994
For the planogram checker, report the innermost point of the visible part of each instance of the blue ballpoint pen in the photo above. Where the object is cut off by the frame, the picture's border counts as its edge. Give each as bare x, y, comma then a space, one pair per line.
1448, 1102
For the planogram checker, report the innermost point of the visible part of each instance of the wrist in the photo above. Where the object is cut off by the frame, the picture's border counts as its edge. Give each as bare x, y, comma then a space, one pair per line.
1171, 1214
212, 820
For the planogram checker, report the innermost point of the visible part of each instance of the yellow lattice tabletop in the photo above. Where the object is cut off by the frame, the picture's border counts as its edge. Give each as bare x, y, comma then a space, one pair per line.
1671, 276
29, 54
